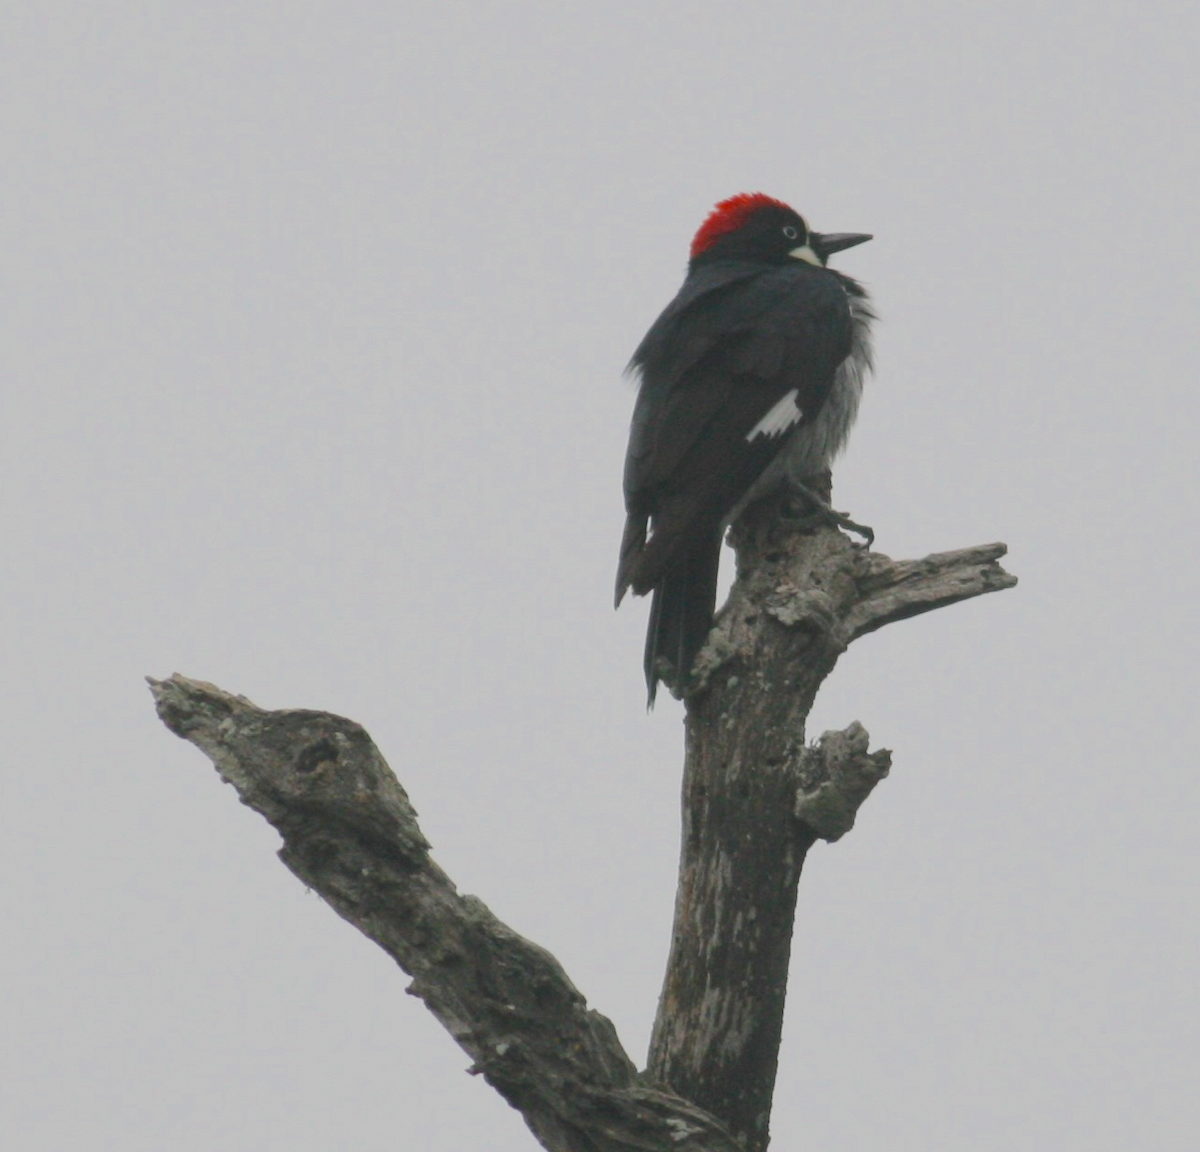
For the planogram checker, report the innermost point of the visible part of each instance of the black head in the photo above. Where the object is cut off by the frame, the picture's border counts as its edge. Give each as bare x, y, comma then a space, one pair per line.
752, 226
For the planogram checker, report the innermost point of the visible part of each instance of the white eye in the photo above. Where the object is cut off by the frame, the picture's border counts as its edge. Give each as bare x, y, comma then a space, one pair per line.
790, 232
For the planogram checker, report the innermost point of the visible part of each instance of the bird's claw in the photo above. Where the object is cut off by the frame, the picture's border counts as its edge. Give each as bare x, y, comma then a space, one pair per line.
821, 512
843, 521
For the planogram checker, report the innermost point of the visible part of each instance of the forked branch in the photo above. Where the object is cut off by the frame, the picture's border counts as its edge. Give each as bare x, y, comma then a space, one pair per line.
755, 798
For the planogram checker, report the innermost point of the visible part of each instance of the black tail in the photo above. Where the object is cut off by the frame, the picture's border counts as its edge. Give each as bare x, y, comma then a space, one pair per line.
681, 616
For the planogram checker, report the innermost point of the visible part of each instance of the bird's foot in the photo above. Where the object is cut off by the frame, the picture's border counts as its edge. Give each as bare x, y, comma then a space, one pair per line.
820, 514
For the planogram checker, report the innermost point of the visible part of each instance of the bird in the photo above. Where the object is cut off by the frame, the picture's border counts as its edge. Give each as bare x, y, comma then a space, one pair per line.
748, 380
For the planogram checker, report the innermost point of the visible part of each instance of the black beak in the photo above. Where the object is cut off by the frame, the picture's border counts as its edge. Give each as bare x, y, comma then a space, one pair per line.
826, 244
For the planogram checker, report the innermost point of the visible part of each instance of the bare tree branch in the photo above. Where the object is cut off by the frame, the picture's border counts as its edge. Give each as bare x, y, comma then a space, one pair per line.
756, 798
350, 833
893, 590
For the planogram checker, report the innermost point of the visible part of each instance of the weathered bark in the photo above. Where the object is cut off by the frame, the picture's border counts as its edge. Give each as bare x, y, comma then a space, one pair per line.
755, 798
350, 833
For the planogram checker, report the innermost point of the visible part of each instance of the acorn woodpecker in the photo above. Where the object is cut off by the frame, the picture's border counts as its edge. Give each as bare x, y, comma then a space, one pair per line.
749, 379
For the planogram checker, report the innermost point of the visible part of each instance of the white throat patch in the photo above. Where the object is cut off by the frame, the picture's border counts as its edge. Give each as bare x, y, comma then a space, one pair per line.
805, 252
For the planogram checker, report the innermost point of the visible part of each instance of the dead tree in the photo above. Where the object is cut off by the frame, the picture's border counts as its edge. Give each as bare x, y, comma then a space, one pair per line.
756, 796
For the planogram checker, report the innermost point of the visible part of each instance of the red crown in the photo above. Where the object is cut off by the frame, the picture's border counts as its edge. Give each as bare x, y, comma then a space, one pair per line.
729, 215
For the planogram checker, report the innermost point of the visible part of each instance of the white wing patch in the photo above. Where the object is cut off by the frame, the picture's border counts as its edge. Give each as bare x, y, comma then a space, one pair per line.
779, 419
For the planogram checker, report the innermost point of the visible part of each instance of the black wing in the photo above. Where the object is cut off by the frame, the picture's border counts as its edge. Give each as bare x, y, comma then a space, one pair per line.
726, 373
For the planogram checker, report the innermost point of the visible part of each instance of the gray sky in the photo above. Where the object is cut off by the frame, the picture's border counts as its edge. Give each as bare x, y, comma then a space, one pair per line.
313, 323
